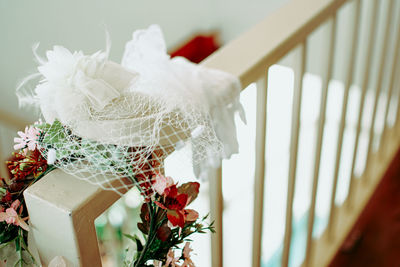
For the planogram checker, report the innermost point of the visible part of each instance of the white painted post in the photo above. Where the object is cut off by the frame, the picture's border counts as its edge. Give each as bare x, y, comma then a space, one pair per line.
62, 211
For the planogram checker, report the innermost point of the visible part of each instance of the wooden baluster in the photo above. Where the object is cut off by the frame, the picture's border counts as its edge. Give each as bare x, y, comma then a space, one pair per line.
379, 85
321, 126
397, 123
261, 130
394, 66
294, 143
216, 212
365, 85
349, 81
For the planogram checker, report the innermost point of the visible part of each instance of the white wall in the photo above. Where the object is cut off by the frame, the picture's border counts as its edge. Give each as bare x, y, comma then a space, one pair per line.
236, 16
79, 25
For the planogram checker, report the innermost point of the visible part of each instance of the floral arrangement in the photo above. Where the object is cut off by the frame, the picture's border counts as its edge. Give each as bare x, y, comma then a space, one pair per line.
106, 123
166, 222
26, 167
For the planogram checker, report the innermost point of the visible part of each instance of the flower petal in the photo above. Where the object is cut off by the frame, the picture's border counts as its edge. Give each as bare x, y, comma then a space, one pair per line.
31, 145
160, 183
21, 134
191, 189
176, 217
3, 216
191, 215
15, 204
19, 146
11, 212
160, 205
22, 224
186, 250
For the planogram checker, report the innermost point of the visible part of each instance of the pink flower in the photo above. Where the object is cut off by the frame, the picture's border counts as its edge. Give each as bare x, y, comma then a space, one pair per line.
10, 216
28, 140
191, 215
171, 260
161, 183
15, 204
186, 255
187, 250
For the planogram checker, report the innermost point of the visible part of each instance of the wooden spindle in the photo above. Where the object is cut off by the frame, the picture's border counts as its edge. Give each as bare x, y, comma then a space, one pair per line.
379, 84
261, 126
364, 87
294, 143
321, 127
394, 66
349, 81
216, 212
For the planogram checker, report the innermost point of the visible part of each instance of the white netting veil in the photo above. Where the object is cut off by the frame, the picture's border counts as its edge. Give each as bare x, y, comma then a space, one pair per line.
107, 122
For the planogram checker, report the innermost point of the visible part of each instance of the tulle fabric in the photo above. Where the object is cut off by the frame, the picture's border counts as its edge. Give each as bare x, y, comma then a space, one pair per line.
135, 114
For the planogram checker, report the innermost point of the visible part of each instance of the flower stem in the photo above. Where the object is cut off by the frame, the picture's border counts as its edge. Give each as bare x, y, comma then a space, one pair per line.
151, 237
20, 236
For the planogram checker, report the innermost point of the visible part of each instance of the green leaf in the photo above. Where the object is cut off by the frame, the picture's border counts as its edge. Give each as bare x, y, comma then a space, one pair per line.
18, 244
205, 217
135, 238
131, 237
7, 232
55, 133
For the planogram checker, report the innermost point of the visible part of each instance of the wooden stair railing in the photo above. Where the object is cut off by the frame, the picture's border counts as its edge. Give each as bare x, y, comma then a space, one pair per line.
249, 57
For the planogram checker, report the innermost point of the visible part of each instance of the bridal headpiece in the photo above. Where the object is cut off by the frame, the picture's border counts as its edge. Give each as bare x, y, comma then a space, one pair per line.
110, 123
122, 120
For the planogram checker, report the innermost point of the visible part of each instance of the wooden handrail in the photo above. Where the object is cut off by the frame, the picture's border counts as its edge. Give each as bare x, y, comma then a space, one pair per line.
266, 43
12, 121
248, 57
61, 201
262, 46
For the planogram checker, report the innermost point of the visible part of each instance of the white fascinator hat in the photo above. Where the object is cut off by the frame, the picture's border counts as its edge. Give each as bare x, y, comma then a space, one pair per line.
149, 102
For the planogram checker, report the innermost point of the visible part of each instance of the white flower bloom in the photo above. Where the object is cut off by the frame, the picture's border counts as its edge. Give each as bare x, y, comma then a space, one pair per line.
74, 84
150, 102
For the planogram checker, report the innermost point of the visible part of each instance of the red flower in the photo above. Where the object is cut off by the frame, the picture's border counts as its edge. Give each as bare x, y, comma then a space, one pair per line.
176, 200
150, 167
7, 197
22, 166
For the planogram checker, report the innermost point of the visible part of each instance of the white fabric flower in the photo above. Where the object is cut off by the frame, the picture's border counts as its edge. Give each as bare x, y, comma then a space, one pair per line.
190, 88
148, 103
74, 84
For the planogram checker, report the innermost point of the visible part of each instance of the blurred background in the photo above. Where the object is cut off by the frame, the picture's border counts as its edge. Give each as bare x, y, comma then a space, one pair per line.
195, 29
80, 25
192, 28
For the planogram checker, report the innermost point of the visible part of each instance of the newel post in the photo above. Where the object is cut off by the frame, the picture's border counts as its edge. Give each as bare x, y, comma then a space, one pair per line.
62, 211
